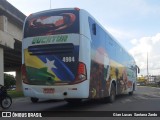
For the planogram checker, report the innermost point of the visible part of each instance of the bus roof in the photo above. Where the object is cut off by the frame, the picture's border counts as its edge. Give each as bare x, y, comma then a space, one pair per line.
50, 10
88, 14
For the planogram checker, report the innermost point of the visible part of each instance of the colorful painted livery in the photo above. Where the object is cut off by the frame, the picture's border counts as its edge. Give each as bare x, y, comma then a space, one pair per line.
67, 54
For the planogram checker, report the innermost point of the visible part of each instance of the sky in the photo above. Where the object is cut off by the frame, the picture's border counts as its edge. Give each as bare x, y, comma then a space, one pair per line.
134, 23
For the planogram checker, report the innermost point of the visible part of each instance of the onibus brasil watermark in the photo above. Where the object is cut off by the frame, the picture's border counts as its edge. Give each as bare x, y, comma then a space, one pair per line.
21, 114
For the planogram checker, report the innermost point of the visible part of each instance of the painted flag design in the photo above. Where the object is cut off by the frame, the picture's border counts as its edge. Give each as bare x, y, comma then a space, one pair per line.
47, 69
58, 67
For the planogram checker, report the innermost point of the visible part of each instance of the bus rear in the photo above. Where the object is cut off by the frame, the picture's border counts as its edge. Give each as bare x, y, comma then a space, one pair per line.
52, 66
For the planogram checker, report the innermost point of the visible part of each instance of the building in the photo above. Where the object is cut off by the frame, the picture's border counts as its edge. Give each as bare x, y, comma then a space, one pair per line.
11, 25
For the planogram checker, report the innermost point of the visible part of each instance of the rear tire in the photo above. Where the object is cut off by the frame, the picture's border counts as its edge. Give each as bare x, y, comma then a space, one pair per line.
34, 100
131, 93
112, 96
6, 102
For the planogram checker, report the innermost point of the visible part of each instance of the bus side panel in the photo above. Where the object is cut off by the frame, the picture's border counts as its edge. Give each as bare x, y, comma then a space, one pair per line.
122, 66
108, 64
84, 56
99, 63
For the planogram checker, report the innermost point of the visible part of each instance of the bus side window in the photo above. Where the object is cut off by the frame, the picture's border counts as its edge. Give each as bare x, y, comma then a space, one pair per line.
94, 28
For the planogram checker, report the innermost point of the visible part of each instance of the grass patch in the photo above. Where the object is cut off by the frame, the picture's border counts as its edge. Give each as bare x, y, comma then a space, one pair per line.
15, 94
152, 85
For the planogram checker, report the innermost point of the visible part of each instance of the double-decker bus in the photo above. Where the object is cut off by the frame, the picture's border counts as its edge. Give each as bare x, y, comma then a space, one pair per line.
68, 55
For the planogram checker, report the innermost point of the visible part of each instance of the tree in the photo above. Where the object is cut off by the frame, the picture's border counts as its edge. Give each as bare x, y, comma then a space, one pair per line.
142, 80
9, 80
157, 78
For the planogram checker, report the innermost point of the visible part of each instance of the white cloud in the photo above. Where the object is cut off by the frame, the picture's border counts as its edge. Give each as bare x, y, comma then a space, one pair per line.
139, 51
134, 41
119, 34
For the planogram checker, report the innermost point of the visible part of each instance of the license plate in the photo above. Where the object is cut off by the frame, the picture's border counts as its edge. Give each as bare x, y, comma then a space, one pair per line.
48, 90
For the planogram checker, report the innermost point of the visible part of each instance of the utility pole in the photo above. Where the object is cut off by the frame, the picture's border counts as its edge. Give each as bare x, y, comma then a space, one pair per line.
147, 68
50, 4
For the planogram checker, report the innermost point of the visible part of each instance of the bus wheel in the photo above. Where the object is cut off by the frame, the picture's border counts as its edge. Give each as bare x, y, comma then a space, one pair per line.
74, 101
112, 94
34, 100
131, 93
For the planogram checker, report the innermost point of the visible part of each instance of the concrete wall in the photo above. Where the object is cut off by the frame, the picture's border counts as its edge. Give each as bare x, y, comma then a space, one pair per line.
14, 30
10, 27
1, 67
9, 31
6, 40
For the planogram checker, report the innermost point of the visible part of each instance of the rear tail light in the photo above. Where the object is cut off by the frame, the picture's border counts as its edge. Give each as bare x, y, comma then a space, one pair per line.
24, 74
81, 73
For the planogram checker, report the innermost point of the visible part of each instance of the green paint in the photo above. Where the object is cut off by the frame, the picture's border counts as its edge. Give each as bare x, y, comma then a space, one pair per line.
49, 39
130, 73
40, 76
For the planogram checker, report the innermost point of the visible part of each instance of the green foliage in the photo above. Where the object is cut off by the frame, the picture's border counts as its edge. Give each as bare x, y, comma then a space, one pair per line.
157, 79
9, 80
142, 79
15, 94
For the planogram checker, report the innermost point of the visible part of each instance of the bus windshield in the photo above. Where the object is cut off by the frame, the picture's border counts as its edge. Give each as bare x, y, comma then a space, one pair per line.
51, 23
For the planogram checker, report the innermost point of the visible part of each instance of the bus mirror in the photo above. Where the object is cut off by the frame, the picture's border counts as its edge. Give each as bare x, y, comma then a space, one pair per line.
94, 28
138, 70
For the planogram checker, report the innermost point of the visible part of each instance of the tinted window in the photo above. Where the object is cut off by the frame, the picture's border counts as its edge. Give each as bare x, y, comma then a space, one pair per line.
52, 22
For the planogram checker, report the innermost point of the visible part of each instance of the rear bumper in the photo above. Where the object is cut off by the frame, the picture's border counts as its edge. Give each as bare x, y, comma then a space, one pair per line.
80, 90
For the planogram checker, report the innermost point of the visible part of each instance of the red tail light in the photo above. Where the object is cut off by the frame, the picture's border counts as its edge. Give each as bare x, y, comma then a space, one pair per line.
81, 68
81, 73
24, 74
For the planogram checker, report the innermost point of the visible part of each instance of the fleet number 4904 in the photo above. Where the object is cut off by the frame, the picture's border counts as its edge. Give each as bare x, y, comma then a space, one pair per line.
68, 59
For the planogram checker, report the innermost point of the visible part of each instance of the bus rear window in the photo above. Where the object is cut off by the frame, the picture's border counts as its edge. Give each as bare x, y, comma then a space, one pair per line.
51, 23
